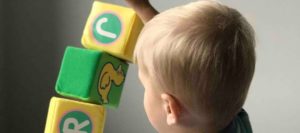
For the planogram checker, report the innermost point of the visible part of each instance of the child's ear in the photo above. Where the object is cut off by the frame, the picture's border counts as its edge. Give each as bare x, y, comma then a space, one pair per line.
171, 108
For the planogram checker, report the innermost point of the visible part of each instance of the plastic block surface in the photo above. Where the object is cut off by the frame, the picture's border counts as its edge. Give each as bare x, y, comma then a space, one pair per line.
113, 29
68, 116
91, 76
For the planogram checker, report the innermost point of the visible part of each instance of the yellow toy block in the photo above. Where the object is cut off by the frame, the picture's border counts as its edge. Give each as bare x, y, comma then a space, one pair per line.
113, 29
68, 116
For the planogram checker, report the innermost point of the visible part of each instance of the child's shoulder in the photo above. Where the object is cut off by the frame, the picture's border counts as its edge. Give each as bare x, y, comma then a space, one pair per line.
240, 124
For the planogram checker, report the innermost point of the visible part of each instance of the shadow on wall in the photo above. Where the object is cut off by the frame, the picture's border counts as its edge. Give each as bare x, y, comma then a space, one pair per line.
30, 46
2, 94
35, 35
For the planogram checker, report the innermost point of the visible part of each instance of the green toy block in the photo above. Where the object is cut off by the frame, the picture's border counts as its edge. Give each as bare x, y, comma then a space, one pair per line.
92, 76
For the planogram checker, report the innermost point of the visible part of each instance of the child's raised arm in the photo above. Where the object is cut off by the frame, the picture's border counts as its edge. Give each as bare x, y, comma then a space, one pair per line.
143, 8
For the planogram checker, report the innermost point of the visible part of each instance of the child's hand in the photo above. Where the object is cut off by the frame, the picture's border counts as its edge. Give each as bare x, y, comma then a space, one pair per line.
143, 8
138, 3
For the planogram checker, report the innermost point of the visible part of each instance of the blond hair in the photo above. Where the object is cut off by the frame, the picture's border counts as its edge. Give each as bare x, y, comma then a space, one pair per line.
203, 54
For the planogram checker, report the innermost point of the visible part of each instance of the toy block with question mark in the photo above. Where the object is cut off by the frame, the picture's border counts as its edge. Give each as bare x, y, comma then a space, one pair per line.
113, 29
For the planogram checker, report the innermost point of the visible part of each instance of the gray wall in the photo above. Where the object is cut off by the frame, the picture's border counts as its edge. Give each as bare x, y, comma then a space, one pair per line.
37, 31
274, 99
29, 45
2, 94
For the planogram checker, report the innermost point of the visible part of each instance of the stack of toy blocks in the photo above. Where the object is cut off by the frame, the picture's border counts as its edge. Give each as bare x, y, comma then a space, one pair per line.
94, 77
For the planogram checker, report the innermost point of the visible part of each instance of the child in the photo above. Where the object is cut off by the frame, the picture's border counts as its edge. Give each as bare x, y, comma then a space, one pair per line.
196, 63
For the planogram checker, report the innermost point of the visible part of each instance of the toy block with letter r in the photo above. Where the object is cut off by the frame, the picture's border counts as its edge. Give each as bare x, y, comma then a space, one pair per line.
92, 76
68, 116
113, 29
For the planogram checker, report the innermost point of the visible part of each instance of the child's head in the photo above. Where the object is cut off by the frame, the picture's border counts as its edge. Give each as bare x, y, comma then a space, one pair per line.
196, 63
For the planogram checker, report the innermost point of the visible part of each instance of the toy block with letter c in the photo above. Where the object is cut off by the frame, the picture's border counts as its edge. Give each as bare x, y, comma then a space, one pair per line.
113, 29
91, 76
68, 116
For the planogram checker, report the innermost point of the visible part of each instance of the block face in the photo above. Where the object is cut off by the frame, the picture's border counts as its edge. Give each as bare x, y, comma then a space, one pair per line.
78, 70
111, 80
92, 76
66, 116
113, 29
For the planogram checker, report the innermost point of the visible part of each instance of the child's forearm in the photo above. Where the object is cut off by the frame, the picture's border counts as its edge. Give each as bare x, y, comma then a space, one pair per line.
146, 13
143, 8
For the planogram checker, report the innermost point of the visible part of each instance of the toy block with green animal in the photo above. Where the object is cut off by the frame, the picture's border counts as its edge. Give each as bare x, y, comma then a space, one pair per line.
91, 76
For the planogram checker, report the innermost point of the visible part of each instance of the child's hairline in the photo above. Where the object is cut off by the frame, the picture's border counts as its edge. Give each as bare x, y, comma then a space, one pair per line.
141, 60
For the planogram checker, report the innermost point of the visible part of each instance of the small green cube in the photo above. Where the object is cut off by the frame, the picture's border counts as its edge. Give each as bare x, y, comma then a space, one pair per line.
91, 76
